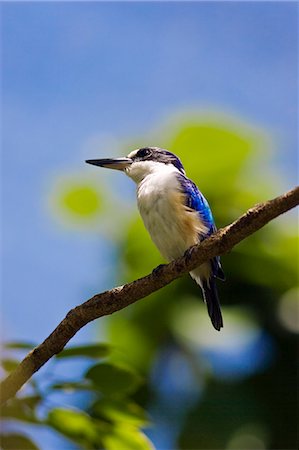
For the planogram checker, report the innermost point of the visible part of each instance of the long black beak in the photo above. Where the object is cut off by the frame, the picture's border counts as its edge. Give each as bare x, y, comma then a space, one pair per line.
114, 163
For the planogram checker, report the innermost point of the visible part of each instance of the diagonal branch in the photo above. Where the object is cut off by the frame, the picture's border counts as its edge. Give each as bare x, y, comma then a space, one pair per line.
118, 298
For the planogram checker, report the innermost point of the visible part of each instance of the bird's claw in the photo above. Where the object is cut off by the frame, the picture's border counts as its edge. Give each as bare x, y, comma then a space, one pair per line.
188, 254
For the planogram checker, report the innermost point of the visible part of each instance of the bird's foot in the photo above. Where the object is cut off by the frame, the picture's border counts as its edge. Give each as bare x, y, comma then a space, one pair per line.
157, 270
188, 254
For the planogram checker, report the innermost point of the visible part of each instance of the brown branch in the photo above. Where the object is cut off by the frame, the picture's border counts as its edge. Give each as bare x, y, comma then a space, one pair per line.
118, 298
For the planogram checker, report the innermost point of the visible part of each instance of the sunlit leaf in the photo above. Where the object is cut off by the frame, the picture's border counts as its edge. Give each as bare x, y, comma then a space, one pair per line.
77, 201
88, 351
210, 149
9, 364
127, 438
133, 336
75, 424
81, 200
22, 409
73, 386
77, 197
16, 441
123, 411
135, 249
20, 345
112, 379
31, 401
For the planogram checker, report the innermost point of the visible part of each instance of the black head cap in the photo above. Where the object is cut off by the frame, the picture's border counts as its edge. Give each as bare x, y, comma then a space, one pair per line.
159, 155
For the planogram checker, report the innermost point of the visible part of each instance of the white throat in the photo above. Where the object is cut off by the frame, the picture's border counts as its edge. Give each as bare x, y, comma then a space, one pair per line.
139, 170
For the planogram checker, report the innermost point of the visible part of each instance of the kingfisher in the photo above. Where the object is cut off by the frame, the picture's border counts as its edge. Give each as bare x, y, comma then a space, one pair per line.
175, 213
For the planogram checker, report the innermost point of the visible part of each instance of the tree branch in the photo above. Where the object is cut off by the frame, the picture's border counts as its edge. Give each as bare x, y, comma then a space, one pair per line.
118, 298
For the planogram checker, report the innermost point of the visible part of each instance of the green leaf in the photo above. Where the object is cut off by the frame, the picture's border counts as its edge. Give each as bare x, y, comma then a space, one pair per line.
112, 379
81, 199
75, 424
20, 345
31, 401
87, 351
72, 386
9, 364
127, 438
16, 441
122, 411
229, 145
22, 409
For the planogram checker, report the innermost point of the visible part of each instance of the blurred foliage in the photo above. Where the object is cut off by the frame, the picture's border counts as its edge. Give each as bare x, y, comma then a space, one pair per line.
88, 351
111, 416
16, 441
202, 390
81, 200
246, 375
77, 201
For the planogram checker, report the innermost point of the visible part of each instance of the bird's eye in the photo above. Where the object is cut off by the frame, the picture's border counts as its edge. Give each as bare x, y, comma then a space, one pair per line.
143, 152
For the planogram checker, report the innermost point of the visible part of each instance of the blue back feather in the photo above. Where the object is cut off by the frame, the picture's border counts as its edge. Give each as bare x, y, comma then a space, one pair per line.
196, 201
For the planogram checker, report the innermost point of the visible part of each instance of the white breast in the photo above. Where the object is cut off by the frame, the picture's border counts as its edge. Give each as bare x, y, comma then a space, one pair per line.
172, 226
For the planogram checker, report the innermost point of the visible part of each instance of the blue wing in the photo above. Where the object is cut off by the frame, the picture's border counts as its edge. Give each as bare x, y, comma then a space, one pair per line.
196, 201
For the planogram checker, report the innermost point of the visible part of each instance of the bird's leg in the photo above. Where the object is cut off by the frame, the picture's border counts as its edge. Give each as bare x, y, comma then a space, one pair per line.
157, 270
188, 253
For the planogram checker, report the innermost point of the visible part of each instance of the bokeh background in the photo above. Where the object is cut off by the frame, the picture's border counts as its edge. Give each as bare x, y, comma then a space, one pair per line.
216, 83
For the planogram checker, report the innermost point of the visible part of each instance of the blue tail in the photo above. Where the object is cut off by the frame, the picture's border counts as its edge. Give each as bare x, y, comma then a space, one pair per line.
211, 298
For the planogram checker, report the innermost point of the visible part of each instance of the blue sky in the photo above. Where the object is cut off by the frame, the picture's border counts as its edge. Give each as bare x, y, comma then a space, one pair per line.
112, 71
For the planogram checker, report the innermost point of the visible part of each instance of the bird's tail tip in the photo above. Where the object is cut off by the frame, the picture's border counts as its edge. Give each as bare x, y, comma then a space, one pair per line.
211, 298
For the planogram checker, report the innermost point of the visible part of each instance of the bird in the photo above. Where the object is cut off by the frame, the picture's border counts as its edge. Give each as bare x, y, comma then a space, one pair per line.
174, 212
